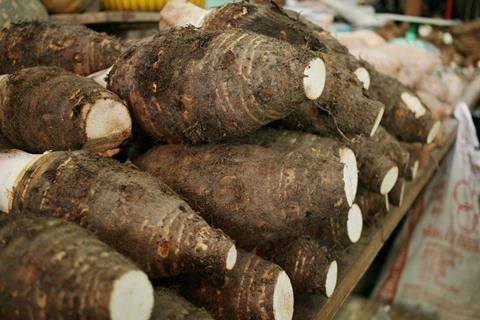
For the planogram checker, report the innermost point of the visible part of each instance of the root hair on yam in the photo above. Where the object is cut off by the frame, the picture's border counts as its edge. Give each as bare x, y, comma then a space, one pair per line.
389, 180
332, 276
135, 288
314, 80
283, 298
354, 223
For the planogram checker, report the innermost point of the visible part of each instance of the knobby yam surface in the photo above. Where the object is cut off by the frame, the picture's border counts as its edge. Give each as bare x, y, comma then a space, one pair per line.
253, 193
130, 210
53, 269
393, 150
246, 292
171, 306
72, 47
343, 98
190, 85
45, 108
372, 205
16, 11
304, 259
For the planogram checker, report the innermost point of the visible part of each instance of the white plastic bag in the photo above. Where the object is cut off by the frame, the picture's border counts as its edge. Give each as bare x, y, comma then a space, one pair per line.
435, 263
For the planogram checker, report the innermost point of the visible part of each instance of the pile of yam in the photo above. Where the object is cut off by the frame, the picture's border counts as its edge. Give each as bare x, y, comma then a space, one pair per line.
232, 163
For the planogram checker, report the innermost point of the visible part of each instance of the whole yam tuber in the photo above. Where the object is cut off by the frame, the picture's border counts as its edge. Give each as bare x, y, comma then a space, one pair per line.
48, 108
171, 306
75, 48
54, 269
130, 210
254, 289
254, 194
190, 85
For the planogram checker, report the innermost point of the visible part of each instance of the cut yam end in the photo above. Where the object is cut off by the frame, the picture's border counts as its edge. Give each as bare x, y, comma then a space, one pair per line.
314, 78
364, 77
283, 298
354, 223
13, 164
377, 121
331, 281
434, 132
132, 297
108, 118
414, 104
414, 169
350, 173
389, 180
231, 258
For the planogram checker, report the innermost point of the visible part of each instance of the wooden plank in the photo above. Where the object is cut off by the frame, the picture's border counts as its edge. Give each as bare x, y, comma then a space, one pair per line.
104, 17
355, 260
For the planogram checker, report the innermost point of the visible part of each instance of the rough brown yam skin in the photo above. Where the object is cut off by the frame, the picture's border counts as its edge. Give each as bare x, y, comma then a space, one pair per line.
171, 306
53, 269
72, 47
45, 108
343, 97
252, 193
399, 120
373, 205
5, 143
373, 164
288, 140
393, 150
190, 85
133, 212
246, 292
304, 260
395, 195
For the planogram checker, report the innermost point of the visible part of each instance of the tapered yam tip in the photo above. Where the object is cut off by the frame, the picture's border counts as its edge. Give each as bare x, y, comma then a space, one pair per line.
132, 297
283, 298
314, 78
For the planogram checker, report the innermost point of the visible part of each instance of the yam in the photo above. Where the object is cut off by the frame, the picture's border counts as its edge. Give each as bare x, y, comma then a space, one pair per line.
395, 196
393, 150
308, 264
254, 289
415, 151
342, 230
312, 145
190, 85
16, 11
254, 194
48, 108
130, 210
373, 205
376, 171
171, 306
5, 143
53, 269
343, 97
72, 47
